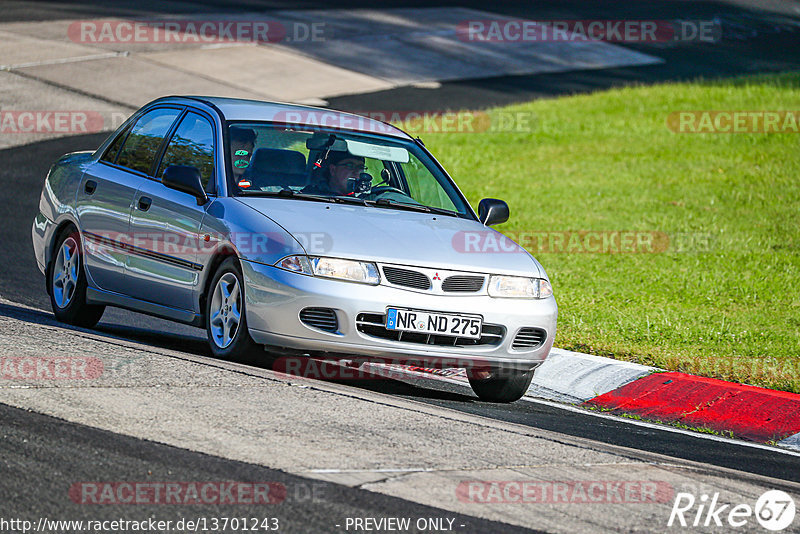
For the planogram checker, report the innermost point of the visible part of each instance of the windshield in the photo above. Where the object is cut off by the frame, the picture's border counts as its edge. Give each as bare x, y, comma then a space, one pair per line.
338, 166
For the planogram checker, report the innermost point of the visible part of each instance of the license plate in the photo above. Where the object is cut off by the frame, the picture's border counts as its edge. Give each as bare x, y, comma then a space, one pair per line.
443, 324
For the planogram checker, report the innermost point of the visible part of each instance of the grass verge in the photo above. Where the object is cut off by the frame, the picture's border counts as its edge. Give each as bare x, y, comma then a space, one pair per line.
719, 295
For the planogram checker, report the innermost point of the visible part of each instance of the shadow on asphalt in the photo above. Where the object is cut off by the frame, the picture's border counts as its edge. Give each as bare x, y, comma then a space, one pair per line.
407, 389
165, 340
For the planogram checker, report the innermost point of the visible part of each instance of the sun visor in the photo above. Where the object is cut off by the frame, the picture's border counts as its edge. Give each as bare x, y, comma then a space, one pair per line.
381, 152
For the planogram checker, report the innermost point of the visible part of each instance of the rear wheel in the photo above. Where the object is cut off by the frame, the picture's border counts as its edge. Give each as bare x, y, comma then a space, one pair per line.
66, 283
499, 385
226, 324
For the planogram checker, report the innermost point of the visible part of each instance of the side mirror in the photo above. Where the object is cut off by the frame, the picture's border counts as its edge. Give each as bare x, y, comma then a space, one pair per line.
492, 211
185, 178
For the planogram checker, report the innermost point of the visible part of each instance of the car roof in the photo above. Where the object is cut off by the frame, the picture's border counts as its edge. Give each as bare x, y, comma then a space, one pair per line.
240, 109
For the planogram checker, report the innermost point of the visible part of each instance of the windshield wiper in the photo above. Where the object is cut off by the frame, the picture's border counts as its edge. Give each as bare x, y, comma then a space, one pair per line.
350, 200
389, 203
442, 211
402, 205
286, 193
290, 193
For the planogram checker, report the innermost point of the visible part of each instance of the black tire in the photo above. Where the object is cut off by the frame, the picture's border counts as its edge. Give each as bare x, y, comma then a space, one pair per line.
241, 346
500, 385
69, 305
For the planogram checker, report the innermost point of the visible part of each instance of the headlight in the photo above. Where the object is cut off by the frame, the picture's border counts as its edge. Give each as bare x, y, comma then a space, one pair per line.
349, 270
353, 271
519, 287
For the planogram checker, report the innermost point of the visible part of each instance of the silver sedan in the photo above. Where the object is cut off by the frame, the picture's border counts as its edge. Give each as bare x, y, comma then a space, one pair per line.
313, 233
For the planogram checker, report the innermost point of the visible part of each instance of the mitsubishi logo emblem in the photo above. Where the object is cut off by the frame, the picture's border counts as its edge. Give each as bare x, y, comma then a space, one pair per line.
436, 276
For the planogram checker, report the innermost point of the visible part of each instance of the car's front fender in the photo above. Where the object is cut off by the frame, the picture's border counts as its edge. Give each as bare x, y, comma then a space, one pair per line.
234, 228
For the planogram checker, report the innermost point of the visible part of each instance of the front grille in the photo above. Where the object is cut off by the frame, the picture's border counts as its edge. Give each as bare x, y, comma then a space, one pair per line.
407, 278
529, 338
374, 324
463, 284
322, 318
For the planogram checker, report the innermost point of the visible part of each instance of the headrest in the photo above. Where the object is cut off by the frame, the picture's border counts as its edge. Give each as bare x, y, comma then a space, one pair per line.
276, 160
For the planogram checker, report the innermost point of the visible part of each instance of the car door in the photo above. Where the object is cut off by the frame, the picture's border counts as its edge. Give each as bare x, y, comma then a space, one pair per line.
168, 271
106, 193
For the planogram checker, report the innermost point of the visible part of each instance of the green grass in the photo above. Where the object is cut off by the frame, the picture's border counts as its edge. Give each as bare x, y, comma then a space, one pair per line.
607, 162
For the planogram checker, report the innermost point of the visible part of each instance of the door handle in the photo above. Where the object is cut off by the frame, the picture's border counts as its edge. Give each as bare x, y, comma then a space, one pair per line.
90, 186
144, 203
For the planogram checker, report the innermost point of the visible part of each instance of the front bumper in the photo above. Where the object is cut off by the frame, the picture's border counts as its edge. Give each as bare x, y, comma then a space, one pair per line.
274, 299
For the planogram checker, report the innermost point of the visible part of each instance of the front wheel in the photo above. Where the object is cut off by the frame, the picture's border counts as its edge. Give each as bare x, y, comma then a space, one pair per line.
226, 324
500, 385
66, 283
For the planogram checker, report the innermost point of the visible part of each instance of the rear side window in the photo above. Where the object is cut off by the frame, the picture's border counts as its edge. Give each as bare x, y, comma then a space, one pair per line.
142, 144
192, 144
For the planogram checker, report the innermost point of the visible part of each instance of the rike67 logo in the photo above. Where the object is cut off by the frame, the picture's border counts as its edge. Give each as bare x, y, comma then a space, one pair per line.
774, 510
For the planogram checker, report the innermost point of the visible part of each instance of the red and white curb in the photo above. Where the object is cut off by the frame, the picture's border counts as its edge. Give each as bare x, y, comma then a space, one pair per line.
616, 387
746, 412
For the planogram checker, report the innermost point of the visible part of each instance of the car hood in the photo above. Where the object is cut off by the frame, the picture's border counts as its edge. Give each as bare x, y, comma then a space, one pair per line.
396, 236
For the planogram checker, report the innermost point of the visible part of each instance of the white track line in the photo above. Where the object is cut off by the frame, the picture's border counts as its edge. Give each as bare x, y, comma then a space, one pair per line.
63, 60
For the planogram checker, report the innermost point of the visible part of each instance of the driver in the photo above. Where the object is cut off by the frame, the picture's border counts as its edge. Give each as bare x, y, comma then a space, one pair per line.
340, 167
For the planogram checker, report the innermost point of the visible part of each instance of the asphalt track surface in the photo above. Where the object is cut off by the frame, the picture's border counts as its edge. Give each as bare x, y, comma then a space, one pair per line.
763, 44
39, 469
757, 36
